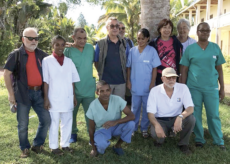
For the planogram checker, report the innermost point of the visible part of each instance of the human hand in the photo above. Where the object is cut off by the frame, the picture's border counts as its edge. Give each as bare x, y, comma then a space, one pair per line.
11, 99
47, 104
129, 85
109, 124
177, 125
221, 94
68, 44
93, 153
159, 131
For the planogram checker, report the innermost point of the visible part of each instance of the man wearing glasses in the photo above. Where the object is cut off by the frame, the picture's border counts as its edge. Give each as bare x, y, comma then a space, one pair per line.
27, 93
82, 55
110, 58
165, 110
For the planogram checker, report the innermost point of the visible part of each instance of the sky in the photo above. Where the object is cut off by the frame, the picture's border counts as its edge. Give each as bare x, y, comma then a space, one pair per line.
90, 12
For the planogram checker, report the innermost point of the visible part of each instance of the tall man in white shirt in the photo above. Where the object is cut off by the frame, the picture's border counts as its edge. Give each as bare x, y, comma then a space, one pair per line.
165, 110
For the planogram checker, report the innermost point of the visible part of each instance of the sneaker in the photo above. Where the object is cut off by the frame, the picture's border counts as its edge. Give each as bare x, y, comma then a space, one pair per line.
118, 151
199, 144
37, 149
57, 152
222, 147
156, 144
25, 153
73, 138
185, 149
67, 149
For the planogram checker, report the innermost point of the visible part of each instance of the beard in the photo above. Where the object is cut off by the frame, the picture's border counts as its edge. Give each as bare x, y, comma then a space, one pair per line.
169, 86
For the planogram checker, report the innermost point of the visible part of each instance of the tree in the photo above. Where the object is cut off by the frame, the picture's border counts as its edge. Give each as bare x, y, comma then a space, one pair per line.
81, 21
152, 12
127, 11
91, 34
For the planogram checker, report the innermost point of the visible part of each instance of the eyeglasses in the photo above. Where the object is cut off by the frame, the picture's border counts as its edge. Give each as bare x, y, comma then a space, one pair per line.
172, 77
121, 28
113, 26
203, 31
32, 38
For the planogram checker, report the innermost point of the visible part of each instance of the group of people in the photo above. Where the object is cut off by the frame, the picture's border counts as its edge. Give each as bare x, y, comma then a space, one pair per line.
166, 79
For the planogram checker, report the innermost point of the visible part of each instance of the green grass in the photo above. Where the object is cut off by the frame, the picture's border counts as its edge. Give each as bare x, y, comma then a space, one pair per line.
226, 72
140, 151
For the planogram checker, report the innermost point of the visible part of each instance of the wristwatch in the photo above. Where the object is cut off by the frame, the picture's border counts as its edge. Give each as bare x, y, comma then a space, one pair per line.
181, 116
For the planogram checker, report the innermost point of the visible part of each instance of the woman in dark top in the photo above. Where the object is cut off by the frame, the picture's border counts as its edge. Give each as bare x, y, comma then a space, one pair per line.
168, 47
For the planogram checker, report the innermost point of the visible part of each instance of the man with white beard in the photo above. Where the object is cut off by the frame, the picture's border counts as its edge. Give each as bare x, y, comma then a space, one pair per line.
165, 110
25, 64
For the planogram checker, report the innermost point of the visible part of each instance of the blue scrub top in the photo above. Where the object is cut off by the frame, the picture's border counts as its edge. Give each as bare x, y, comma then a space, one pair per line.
142, 65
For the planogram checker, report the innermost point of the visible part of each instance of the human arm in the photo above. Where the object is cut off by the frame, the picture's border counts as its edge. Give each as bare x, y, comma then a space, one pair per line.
96, 57
184, 74
128, 83
9, 87
129, 117
158, 128
154, 75
178, 122
221, 82
74, 96
46, 99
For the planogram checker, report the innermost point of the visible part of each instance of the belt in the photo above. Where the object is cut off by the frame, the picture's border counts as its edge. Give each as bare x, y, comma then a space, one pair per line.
165, 118
35, 88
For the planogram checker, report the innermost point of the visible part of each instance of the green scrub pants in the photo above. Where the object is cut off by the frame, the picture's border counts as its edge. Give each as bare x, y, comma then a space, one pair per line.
211, 104
85, 103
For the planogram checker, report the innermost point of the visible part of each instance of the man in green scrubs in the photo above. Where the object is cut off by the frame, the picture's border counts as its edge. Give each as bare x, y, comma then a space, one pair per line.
82, 55
202, 69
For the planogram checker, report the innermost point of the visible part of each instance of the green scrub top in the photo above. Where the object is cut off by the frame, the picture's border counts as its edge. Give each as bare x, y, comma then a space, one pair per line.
201, 72
97, 112
84, 63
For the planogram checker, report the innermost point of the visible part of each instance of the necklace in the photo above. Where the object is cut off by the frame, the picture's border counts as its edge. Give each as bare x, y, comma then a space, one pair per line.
203, 47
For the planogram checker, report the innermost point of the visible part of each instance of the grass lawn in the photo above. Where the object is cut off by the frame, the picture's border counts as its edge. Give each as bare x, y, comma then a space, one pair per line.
140, 151
226, 72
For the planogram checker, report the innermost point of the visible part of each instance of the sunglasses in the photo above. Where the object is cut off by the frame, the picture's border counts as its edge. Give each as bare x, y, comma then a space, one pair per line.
121, 28
113, 26
32, 38
205, 31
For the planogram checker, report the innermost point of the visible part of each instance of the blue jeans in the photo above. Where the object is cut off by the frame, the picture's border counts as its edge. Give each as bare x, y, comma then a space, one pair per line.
36, 101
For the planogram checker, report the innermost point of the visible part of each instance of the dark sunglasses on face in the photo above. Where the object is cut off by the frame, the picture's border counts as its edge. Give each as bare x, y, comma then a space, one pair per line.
205, 31
113, 26
32, 38
121, 28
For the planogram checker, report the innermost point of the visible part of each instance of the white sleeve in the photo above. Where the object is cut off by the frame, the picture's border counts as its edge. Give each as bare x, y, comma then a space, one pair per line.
45, 71
187, 98
75, 75
152, 104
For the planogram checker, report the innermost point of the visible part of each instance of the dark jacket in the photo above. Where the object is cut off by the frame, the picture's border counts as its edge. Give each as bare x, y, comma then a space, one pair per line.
21, 93
177, 46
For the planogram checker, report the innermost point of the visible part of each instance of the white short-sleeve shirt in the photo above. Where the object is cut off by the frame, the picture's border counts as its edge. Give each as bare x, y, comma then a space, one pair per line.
60, 79
162, 106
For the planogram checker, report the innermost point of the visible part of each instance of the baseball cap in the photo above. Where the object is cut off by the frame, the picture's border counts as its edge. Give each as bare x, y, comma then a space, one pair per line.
169, 72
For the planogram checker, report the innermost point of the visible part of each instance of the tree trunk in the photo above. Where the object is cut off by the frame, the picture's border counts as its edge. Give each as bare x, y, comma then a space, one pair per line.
152, 12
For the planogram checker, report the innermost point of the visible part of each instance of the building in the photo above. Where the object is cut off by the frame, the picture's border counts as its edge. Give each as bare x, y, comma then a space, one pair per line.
217, 14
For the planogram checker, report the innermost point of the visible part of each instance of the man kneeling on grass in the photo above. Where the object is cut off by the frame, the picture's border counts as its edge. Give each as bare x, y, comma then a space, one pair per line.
165, 110
105, 120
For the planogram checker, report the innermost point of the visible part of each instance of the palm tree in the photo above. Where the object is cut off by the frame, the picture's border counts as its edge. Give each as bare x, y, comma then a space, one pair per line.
152, 12
127, 11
